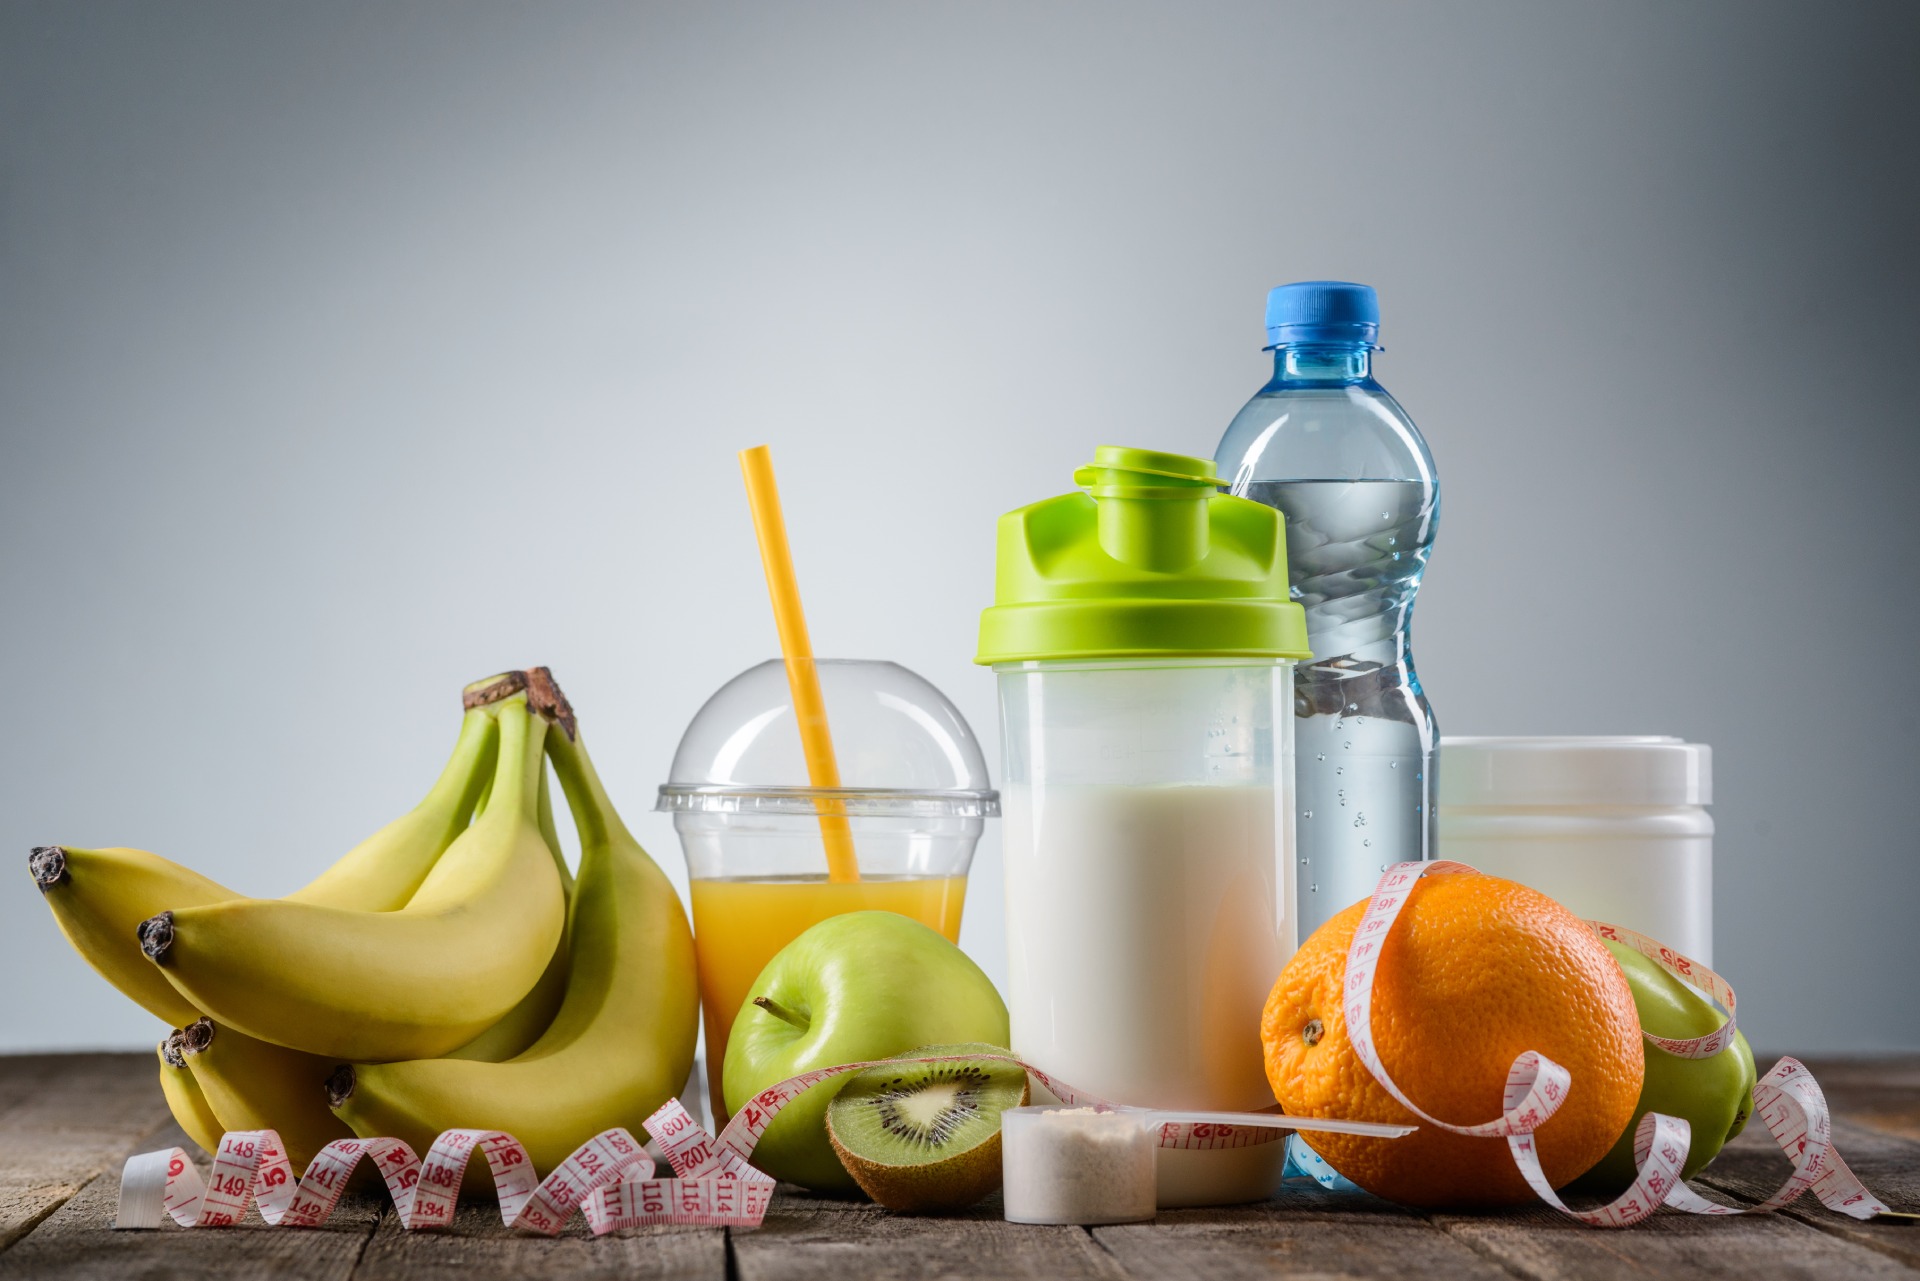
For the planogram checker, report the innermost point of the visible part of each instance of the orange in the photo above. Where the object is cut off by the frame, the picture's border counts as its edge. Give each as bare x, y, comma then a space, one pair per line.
1476, 970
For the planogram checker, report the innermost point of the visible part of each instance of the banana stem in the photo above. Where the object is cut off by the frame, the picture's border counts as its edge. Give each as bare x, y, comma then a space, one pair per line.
492, 689
593, 814
486, 794
467, 775
544, 697
547, 827
516, 780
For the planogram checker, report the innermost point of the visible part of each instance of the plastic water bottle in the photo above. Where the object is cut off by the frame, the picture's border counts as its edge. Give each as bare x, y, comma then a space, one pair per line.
1326, 444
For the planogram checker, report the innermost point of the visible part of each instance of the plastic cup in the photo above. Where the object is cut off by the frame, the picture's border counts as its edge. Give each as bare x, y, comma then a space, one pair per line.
915, 797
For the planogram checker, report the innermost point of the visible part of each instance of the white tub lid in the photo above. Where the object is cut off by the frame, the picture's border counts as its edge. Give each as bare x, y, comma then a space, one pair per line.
1638, 770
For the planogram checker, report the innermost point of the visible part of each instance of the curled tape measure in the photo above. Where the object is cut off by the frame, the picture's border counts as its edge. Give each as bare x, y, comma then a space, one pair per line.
609, 1179
1787, 1099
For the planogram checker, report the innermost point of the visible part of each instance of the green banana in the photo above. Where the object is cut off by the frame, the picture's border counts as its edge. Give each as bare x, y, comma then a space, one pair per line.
251, 1085
623, 1040
374, 986
184, 1099
100, 897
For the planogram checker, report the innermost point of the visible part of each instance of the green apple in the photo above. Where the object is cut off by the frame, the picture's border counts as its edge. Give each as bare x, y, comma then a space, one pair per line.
866, 985
1714, 1095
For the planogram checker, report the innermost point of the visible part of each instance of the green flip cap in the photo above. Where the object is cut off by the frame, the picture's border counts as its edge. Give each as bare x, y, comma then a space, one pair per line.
1151, 562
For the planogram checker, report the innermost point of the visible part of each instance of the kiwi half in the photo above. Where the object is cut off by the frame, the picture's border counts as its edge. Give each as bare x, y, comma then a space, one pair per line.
926, 1136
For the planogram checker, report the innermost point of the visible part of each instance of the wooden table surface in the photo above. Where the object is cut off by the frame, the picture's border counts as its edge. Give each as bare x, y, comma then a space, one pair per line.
68, 1121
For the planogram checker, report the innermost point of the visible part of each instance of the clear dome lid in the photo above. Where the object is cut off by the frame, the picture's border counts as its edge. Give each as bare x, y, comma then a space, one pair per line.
902, 747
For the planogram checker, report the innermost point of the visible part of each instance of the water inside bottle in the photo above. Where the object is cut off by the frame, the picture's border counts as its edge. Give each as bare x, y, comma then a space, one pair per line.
1363, 731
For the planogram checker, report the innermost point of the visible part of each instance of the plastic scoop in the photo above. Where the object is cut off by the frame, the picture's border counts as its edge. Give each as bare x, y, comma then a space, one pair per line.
1279, 1121
809, 708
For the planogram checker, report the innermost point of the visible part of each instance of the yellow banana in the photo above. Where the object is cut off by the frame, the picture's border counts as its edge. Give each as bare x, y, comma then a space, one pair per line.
527, 1021
250, 1085
383, 872
524, 1023
374, 986
623, 1040
100, 897
184, 1099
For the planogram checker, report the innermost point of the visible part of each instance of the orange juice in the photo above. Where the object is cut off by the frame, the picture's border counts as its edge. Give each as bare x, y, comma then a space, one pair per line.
738, 925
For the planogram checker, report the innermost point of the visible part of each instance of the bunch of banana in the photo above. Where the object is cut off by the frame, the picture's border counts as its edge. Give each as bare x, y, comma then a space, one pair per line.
184, 1099
623, 1040
422, 980
251, 1085
100, 897
443, 940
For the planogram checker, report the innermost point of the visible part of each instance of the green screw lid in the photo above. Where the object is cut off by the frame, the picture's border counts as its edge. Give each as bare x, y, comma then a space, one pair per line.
1151, 562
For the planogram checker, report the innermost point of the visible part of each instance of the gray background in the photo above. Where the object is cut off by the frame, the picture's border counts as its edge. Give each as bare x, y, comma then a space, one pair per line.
349, 352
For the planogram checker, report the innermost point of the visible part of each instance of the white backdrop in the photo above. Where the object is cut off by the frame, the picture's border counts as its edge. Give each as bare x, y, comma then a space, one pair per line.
348, 354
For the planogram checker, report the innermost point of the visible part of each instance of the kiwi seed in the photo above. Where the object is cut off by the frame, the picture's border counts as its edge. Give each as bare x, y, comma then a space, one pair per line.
926, 1136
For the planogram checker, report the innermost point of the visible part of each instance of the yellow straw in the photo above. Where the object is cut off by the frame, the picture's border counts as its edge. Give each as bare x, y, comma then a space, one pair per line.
803, 679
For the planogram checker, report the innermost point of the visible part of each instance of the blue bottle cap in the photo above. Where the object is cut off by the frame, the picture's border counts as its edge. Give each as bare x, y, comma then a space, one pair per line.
1322, 311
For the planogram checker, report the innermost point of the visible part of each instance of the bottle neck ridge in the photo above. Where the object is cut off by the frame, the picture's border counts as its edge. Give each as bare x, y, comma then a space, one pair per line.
1322, 363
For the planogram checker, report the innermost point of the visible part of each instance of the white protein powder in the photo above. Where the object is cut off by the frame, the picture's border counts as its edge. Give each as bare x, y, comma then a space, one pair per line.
1077, 1165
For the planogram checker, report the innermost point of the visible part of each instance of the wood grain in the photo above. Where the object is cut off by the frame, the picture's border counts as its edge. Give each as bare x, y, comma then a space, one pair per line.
1752, 1167
21, 1074
1806, 1241
1880, 1093
1259, 1242
478, 1248
65, 1118
808, 1238
1542, 1244
79, 1243
67, 1122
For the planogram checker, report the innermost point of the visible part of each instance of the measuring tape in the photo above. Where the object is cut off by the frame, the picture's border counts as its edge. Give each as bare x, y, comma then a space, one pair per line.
1787, 1099
609, 1179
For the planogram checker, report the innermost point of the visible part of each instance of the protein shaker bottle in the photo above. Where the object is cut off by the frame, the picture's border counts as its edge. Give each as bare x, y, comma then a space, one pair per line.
1144, 645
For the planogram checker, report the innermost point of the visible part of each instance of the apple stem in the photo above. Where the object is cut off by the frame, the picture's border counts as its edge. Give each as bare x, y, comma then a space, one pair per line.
780, 1011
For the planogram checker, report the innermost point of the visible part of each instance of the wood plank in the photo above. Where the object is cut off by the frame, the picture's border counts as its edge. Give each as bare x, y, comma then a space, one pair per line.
20, 1075
1261, 1242
71, 1117
82, 1108
1880, 1093
24, 1202
1813, 1243
1752, 1167
478, 1248
78, 1242
1540, 1243
67, 1121
809, 1238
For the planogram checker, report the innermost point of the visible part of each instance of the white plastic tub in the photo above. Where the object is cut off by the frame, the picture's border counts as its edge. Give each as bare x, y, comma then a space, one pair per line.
1614, 828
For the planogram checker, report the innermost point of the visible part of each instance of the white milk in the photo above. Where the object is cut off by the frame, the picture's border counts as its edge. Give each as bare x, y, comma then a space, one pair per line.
1150, 991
